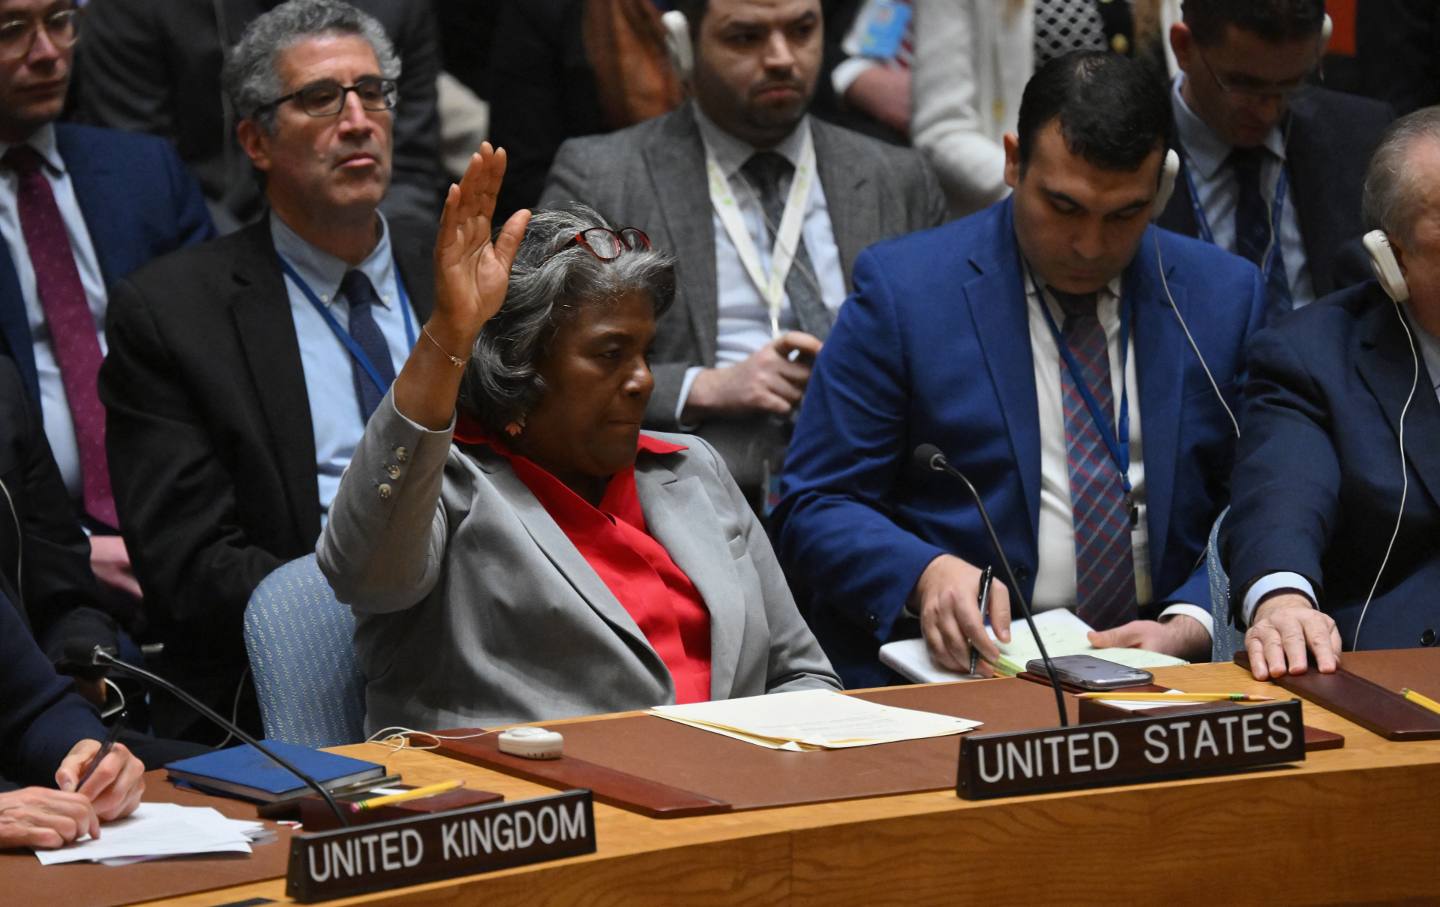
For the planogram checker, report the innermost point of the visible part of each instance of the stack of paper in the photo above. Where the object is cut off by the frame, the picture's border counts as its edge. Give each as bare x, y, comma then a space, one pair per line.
808, 720
1062, 631
157, 830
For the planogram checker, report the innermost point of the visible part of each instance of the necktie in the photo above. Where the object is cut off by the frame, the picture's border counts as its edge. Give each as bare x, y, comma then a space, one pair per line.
72, 326
1062, 26
1253, 229
1104, 559
765, 169
366, 333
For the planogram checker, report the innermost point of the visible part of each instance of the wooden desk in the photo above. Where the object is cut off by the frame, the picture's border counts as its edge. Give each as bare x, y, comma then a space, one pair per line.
1358, 823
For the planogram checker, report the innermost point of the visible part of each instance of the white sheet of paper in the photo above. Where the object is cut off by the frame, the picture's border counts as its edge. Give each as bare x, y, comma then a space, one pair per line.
1139, 705
154, 830
813, 718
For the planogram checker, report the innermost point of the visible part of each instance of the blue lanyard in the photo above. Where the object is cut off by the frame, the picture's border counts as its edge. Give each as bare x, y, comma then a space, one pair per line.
343, 335
1118, 444
1277, 213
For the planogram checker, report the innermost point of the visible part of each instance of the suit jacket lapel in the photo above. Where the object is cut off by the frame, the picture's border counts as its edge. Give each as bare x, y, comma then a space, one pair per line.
568, 561
1306, 167
675, 157
996, 297
1160, 357
1179, 213
260, 306
849, 195
92, 179
680, 516
1387, 367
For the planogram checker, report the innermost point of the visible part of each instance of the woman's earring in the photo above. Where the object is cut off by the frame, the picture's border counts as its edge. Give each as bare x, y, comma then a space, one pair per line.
514, 427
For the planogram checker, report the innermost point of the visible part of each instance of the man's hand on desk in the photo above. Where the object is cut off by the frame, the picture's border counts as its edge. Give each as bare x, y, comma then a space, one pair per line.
111, 563
771, 380
947, 599
1181, 636
114, 788
1284, 628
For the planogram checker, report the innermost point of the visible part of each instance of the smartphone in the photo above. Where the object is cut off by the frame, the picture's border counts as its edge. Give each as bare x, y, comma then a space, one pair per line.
1090, 673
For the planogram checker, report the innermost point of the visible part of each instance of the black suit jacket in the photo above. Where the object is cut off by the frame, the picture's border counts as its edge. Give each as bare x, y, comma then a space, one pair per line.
44, 556
212, 451
1332, 136
154, 66
1317, 483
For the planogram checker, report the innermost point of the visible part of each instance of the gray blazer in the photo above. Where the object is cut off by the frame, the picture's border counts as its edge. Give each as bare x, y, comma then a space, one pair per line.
652, 176
474, 608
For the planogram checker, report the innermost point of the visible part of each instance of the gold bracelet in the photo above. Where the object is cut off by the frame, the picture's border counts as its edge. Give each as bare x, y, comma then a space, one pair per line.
454, 360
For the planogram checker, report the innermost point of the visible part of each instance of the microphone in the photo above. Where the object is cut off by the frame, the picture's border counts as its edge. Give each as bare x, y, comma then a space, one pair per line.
929, 458
101, 656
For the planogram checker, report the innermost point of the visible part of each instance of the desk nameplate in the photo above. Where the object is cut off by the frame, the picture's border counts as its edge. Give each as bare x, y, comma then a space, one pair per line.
1130, 751
382, 855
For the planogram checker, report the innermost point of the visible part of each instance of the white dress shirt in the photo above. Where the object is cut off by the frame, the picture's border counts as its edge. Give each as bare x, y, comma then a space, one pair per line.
1218, 196
334, 410
744, 316
1055, 585
54, 404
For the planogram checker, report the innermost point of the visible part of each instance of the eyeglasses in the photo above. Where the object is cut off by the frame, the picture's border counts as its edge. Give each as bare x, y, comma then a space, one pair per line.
608, 245
327, 97
1254, 89
17, 33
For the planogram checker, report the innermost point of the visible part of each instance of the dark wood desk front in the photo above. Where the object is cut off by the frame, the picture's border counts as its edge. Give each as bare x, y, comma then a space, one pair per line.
1354, 824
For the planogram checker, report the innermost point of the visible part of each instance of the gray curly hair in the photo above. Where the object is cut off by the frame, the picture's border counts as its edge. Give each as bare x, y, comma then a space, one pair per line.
550, 281
251, 77
1391, 198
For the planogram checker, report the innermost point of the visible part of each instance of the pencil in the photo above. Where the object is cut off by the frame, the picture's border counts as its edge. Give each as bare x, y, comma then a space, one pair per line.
1421, 699
1179, 697
416, 794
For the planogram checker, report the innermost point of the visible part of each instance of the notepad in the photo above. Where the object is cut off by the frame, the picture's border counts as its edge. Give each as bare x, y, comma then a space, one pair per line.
243, 771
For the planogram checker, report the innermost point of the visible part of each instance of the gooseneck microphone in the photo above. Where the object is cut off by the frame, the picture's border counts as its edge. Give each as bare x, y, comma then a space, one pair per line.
929, 458
100, 657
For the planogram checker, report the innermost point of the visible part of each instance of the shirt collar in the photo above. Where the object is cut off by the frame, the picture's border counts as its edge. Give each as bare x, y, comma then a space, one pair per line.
731, 153
323, 271
43, 141
1205, 151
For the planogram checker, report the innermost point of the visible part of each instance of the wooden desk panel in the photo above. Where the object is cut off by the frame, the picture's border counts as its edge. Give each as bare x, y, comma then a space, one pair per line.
1356, 823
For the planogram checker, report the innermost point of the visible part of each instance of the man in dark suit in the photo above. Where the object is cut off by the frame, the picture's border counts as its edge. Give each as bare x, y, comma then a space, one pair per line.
1030, 342
712, 183
154, 66
1272, 166
79, 209
1318, 556
241, 372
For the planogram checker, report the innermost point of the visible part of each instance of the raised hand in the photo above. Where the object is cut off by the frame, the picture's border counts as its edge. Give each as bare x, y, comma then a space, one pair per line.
472, 272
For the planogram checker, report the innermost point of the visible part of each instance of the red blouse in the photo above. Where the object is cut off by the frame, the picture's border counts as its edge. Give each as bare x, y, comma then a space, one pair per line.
636, 568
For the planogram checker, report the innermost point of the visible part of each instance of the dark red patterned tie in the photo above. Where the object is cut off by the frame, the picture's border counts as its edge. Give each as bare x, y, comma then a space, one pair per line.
72, 326
1104, 560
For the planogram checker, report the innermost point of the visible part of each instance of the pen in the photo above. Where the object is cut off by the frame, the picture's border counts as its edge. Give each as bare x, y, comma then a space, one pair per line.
1420, 699
1177, 697
105, 749
985, 579
416, 794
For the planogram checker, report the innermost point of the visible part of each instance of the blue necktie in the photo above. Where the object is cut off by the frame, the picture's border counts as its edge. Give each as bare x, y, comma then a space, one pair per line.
1253, 230
366, 333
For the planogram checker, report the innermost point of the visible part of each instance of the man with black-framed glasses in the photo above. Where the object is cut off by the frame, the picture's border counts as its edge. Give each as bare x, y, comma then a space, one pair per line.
79, 209
242, 373
1272, 163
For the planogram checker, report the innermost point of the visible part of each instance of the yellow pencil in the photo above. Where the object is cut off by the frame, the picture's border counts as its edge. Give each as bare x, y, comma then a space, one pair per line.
426, 791
1421, 699
1178, 697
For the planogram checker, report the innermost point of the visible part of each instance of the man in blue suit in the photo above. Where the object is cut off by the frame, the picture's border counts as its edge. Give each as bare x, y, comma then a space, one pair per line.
948, 340
1318, 556
79, 209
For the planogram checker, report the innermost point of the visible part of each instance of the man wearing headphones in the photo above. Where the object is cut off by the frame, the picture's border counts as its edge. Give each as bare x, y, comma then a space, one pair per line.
1018, 340
1318, 555
1272, 166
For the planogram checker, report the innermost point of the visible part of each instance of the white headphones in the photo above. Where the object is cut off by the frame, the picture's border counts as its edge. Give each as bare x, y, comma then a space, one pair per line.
1385, 266
1169, 173
677, 43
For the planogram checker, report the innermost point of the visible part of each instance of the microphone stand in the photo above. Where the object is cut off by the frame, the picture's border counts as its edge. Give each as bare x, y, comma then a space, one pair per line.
930, 457
100, 657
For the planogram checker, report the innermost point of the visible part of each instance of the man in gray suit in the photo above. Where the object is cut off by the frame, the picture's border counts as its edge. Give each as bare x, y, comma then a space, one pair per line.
765, 209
